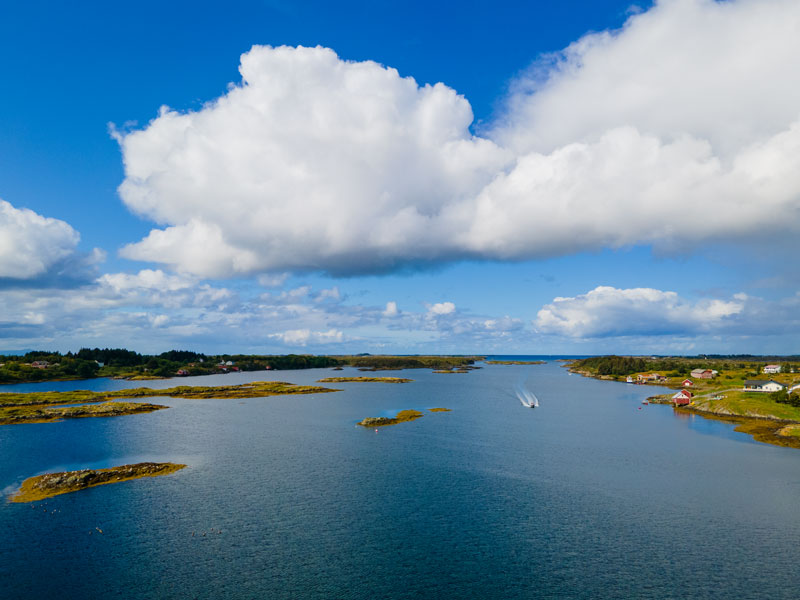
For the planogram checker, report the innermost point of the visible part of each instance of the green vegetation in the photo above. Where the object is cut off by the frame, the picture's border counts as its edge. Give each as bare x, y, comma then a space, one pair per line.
14, 415
365, 379
126, 364
382, 363
790, 430
773, 418
256, 389
747, 404
676, 367
515, 362
401, 417
54, 484
32, 407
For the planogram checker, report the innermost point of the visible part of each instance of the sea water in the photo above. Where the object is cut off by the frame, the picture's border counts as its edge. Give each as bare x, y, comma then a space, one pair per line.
590, 495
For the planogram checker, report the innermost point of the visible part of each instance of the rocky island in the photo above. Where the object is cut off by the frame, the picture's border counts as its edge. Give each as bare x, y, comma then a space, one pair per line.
32, 407
402, 417
365, 380
54, 484
516, 362
40, 414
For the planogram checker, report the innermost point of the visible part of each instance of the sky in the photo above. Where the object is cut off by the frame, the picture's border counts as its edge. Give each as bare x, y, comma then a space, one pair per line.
579, 177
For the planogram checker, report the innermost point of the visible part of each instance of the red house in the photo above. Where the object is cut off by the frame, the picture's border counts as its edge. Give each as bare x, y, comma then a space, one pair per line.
682, 398
687, 383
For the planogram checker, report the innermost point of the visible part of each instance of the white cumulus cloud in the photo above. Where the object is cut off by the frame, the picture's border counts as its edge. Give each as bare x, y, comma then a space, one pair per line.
679, 129
441, 308
607, 311
301, 337
31, 245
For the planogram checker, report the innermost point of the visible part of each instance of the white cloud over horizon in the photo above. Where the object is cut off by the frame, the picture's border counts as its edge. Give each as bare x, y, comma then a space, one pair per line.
609, 312
37, 250
670, 132
153, 311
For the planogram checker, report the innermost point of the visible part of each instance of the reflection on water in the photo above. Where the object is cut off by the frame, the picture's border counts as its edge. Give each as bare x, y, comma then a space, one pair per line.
585, 497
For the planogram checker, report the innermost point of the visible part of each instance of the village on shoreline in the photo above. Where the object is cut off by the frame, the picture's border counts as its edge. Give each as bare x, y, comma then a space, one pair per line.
761, 398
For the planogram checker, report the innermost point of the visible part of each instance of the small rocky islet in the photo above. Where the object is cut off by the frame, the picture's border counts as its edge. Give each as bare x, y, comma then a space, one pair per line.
48, 485
35, 407
364, 380
402, 417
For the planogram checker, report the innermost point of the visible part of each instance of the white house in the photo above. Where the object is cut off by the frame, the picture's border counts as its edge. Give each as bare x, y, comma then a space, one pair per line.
763, 385
772, 369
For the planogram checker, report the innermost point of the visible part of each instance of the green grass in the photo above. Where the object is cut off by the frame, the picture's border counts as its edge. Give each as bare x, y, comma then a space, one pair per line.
515, 362
15, 415
256, 389
748, 404
380, 363
365, 380
402, 417
40, 487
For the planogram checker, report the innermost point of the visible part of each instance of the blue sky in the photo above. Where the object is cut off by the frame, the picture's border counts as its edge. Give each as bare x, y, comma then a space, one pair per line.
573, 177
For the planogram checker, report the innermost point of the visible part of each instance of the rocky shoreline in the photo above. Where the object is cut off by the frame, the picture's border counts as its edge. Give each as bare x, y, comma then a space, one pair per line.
40, 487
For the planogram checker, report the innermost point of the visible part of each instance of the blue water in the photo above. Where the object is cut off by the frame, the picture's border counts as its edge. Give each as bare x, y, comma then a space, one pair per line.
591, 495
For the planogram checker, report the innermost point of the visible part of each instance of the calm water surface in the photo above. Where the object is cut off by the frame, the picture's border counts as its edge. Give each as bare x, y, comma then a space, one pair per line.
588, 496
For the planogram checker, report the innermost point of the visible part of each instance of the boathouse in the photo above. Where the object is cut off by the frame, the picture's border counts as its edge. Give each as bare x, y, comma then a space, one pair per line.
682, 398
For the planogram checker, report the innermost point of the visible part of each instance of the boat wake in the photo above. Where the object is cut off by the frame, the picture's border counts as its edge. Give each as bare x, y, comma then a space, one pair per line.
526, 397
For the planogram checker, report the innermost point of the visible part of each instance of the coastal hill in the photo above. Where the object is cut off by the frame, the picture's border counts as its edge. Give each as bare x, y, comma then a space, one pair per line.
120, 363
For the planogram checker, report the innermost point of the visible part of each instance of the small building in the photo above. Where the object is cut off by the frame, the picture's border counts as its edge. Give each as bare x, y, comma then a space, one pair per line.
687, 383
763, 385
182, 373
703, 374
682, 398
629, 379
772, 369
40, 364
651, 377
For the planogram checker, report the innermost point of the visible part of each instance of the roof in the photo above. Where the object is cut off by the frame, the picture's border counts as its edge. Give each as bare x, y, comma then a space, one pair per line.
757, 382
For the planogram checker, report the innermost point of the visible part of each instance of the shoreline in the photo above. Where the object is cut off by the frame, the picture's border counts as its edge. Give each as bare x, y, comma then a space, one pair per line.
764, 429
41, 487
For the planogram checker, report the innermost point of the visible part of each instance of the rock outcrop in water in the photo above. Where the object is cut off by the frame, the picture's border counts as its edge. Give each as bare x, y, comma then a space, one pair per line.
54, 484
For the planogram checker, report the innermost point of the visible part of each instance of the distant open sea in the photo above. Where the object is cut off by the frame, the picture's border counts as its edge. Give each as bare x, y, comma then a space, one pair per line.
591, 495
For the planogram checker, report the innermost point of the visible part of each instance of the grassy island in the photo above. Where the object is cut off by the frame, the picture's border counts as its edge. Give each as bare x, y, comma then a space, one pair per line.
31, 407
516, 362
256, 389
389, 363
365, 380
54, 484
40, 414
402, 417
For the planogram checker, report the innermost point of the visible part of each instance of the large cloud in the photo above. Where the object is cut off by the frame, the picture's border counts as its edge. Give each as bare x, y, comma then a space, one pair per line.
611, 312
679, 129
33, 247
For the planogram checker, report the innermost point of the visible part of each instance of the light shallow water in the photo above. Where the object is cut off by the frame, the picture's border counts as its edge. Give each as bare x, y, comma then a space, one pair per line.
585, 497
